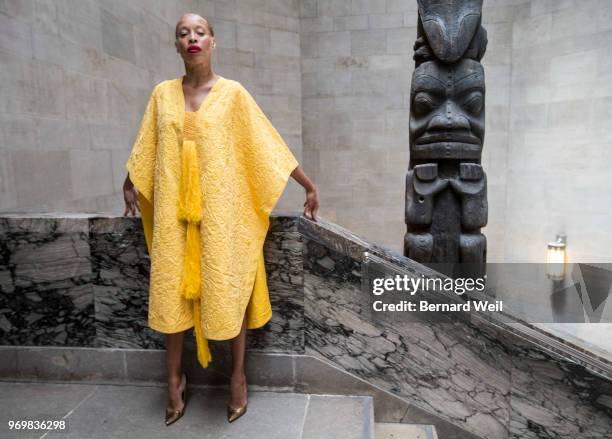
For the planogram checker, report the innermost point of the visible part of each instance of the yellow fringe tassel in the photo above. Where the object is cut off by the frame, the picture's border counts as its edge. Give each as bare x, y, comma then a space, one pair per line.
190, 210
190, 284
204, 356
190, 204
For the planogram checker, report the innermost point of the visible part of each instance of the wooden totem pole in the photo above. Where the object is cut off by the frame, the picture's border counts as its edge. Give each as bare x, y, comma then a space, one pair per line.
446, 187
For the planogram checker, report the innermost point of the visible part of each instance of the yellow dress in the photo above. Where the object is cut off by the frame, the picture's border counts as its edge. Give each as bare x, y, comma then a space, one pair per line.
241, 166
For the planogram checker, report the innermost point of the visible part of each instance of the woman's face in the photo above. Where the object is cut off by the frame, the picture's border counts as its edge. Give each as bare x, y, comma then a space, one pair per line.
193, 39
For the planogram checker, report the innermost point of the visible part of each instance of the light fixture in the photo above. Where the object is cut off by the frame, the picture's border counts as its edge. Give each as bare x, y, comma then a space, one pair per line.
555, 258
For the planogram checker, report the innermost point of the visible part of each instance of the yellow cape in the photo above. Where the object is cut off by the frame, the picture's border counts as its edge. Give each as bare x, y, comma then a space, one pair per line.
243, 165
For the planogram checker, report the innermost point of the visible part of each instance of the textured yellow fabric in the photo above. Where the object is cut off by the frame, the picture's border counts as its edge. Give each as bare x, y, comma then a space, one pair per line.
244, 165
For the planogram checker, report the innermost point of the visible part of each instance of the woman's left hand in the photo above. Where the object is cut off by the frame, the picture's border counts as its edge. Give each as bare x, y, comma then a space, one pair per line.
311, 205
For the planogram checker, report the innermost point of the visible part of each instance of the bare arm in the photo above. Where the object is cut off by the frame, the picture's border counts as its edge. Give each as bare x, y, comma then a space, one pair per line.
130, 196
311, 205
127, 184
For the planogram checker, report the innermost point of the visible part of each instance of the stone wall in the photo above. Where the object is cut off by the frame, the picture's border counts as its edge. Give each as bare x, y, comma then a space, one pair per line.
356, 70
334, 78
76, 76
560, 143
546, 151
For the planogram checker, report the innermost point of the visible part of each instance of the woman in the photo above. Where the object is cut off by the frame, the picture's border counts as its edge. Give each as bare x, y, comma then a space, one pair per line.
206, 169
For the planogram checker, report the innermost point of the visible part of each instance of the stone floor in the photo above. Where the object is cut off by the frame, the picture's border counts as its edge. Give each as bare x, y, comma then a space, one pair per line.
385, 430
127, 411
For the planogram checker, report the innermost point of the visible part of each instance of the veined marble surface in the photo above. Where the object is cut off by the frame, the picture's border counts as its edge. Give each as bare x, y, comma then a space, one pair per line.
445, 368
46, 282
82, 280
474, 372
120, 265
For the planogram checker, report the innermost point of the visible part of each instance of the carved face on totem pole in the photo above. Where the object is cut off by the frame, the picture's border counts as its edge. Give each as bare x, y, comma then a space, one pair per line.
447, 117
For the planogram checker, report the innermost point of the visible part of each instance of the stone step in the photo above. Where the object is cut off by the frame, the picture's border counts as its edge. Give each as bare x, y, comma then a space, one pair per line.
388, 430
339, 417
131, 411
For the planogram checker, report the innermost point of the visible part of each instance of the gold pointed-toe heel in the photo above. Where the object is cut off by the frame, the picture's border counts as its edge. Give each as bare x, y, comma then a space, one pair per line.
177, 414
235, 413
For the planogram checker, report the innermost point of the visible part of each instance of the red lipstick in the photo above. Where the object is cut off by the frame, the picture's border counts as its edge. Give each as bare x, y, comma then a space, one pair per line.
194, 49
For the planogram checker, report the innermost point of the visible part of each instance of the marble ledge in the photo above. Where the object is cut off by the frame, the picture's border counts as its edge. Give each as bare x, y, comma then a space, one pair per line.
74, 222
57, 215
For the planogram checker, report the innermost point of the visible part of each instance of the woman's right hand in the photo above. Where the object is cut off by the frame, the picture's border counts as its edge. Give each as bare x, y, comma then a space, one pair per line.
130, 196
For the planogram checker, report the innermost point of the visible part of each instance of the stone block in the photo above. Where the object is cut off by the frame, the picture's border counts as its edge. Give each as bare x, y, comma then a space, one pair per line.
225, 34
570, 114
401, 40
8, 193
540, 7
86, 98
147, 50
117, 36
17, 77
401, 6
575, 68
351, 22
61, 134
252, 38
317, 24
45, 16
570, 22
333, 8
126, 104
286, 8
49, 86
527, 32
284, 43
15, 37
22, 10
308, 8
80, 22
368, 7
36, 188
91, 173
309, 45
114, 136
16, 131
368, 42
334, 43
385, 21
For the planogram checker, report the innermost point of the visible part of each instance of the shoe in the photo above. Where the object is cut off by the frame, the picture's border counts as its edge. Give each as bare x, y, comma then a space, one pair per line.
235, 413
174, 416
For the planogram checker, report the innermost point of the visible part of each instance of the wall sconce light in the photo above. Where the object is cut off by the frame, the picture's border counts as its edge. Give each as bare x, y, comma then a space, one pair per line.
555, 258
